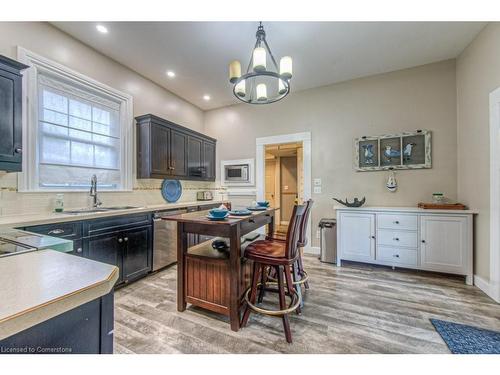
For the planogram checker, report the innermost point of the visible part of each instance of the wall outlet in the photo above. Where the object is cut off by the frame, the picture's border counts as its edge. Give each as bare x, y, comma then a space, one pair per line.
317, 182
317, 190
318, 234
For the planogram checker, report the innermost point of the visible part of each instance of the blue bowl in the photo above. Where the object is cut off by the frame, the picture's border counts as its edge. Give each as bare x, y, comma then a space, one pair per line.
263, 203
218, 212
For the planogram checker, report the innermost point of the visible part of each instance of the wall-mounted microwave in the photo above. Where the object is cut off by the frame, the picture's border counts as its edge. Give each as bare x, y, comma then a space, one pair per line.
237, 172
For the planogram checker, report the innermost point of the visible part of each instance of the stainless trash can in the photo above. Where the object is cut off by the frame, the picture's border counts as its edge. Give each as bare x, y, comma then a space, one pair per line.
328, 240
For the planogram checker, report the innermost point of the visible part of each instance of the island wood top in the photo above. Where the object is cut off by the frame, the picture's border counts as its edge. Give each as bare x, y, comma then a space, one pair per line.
200, 217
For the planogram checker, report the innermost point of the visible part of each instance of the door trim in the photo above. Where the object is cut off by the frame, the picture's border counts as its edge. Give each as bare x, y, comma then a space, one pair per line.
260, 167
494, 290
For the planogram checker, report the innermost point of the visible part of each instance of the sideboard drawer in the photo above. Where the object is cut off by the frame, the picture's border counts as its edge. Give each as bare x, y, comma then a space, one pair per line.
397, 221
407, 257
398, 238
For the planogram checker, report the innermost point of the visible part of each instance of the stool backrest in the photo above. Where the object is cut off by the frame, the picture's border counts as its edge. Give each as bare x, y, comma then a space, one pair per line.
293, 233
303, 223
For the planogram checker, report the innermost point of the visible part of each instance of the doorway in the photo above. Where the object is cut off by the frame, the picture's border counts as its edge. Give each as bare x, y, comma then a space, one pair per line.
292, 176
284, 182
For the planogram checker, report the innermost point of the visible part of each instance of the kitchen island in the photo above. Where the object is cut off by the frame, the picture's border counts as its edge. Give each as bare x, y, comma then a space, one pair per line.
53, 302
210, 279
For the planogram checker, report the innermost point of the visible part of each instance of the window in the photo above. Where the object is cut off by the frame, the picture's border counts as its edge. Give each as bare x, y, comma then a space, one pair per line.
77, 128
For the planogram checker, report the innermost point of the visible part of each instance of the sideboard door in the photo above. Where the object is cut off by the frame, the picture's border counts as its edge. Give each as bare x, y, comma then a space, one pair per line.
357, 236
444, 243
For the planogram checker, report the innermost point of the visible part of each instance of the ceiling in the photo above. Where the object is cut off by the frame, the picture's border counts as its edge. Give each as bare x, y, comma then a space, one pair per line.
323, 52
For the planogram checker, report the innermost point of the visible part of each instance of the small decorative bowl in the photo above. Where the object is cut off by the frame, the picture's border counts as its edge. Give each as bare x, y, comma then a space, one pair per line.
263, 203
218, 213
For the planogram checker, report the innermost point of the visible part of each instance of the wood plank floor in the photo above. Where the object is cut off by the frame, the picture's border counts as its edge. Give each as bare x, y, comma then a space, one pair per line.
352, 309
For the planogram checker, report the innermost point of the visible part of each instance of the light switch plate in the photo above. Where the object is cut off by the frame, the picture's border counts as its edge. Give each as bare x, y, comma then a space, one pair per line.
317, 190
317, 182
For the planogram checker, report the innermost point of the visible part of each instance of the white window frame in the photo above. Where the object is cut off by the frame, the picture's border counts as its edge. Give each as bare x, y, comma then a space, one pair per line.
28, 179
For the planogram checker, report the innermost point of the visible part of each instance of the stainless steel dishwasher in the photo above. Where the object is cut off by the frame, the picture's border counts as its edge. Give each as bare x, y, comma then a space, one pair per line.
165, 239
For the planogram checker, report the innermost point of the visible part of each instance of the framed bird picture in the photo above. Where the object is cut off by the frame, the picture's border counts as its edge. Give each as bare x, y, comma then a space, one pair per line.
409, 150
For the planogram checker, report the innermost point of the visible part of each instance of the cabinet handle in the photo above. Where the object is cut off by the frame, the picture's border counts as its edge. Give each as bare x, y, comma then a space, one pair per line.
56, 231
18, 150
79, 250
396, 222
120, 240
423, 241
125, 239
396, 239
396, 255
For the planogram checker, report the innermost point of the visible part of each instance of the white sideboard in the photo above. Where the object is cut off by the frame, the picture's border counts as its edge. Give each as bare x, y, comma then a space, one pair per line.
432, 240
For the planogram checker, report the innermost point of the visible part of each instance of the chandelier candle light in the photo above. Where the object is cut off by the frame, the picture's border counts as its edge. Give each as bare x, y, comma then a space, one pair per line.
260, 85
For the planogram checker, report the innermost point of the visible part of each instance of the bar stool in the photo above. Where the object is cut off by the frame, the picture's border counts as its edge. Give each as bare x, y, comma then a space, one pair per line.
298, 267
279, 255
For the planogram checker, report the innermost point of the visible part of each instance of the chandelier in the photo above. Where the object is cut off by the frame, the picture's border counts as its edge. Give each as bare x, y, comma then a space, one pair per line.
261, 84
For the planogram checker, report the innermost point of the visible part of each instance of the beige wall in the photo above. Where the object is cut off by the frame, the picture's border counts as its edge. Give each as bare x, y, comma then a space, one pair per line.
478, 73
417, 98
52, 43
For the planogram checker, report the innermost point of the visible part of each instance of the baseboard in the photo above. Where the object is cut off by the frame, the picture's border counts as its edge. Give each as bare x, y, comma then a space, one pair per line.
314, 250
483, 285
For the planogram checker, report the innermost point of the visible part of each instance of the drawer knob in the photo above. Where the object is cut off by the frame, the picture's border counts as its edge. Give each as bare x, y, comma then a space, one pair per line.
396, 222
79, 250
396, 255
396, 239
372, 237
120, 240
18, 150
423, 241
125, 239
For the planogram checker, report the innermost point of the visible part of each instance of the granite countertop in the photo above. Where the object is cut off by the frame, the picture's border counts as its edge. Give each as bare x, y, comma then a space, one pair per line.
39, 285
404, 209
7, 222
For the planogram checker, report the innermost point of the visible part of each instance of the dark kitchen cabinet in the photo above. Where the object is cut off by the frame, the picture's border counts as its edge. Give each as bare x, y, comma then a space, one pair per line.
178, 153
137, 258
10, 114
106, 248
167, 150
209, 160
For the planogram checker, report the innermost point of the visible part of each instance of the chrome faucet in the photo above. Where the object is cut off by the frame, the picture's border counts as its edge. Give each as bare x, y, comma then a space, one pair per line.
93, 191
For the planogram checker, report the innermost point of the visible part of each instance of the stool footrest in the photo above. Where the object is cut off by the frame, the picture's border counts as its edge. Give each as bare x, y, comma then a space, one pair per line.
294, 303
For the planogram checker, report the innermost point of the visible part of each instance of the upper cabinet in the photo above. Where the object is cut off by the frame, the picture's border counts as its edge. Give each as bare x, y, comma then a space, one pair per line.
167, 150
10, 114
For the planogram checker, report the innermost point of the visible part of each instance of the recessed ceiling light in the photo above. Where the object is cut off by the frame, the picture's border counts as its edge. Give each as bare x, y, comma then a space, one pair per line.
206, 97
170, 74
102, 29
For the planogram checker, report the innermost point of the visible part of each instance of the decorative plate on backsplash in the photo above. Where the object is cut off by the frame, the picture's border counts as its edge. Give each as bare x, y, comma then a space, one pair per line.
171, 190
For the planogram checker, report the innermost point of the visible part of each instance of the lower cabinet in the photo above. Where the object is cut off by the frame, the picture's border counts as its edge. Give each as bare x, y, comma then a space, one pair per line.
357, 236
444, 244
130, 250
433, 241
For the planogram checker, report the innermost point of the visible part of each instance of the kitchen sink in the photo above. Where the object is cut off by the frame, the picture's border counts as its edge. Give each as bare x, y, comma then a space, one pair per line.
98, 209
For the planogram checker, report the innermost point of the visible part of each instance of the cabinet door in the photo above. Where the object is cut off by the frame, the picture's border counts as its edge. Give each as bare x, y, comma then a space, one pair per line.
10, 122
444, 243
178, 153
209, 160
105, 248
357, 236
137, 252
160, 141
195, 154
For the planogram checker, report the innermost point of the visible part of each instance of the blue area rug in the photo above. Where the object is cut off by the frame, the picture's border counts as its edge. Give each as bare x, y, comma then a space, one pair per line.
463, 339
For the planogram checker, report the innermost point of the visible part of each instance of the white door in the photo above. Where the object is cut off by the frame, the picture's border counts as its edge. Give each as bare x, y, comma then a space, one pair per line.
357, 236
443, 244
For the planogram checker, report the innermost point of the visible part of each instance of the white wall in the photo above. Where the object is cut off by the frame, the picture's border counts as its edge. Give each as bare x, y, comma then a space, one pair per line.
56, 45
478, 73
406, 100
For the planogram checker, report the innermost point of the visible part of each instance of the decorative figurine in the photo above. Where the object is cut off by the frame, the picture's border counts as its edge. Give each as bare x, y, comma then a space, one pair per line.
392, 184
408, 150
390, 153
368, 153
355, 203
